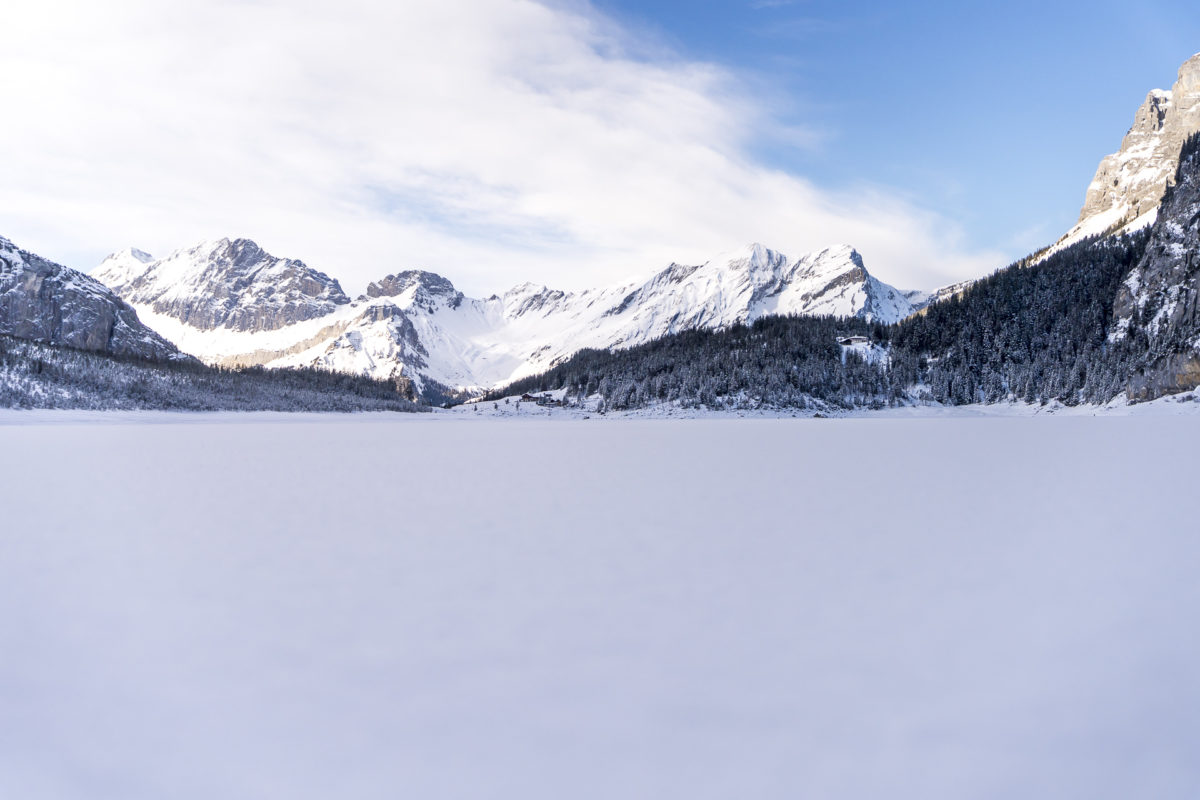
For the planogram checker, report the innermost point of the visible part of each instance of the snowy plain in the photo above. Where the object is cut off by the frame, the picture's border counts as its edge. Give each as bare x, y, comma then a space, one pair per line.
436, 606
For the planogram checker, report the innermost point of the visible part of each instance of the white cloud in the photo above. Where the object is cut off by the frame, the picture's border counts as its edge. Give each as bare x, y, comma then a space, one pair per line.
490, 140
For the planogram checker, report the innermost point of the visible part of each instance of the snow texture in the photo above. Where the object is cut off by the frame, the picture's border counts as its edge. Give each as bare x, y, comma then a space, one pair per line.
360, 607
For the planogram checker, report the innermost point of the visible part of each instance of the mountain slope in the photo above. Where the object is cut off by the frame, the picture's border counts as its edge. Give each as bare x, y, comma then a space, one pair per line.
1157, 310
41, 375
47, 302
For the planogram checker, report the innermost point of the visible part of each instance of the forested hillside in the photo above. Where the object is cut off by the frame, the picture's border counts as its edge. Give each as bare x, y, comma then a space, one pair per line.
1033, 332
37, 375
786, 361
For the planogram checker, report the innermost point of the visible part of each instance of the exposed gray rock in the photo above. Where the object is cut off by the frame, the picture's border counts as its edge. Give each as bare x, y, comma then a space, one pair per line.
429, 287
47, 302
228, 283
1169, 375
1130, 183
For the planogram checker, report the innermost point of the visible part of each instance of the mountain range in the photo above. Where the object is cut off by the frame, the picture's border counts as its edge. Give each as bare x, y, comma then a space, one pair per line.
229, 302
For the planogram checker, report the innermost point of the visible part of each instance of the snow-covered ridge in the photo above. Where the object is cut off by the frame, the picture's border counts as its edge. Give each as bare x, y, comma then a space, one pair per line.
231, 309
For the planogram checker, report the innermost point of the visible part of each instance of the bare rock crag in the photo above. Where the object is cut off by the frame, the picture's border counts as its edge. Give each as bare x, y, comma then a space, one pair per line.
1129, 184
47, 302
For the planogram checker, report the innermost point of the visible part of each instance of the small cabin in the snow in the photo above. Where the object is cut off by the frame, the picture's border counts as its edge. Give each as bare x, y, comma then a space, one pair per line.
848, 341
541, 399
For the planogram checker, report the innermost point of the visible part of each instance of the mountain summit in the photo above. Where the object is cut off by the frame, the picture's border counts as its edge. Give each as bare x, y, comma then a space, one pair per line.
1129, 184
228, 283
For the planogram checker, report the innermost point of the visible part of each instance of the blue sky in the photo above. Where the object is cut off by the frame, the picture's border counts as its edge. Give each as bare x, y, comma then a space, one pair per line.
994, 114
568, 142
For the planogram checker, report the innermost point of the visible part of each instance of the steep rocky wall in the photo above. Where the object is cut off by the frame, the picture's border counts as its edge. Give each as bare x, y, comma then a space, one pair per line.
47, 302
1129, 184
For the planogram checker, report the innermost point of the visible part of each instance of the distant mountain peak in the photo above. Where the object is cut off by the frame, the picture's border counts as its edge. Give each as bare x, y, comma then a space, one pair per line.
753, 257
400, 282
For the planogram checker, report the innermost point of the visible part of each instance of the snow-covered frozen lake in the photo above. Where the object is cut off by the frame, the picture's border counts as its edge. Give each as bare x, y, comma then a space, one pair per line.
414, 607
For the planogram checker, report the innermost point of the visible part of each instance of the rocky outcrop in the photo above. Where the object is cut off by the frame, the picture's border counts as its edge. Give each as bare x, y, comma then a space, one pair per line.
1130, 183
427, 288
47, 302
1171, 374
230, 283
1159, 301
401, 282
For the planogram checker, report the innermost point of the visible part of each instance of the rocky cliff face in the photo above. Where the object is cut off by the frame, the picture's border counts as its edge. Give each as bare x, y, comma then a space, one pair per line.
1130, 183
231, 284
1158, 305
430, 283
48, 302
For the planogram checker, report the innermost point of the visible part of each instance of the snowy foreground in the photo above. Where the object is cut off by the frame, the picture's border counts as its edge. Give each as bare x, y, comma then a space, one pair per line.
256, 606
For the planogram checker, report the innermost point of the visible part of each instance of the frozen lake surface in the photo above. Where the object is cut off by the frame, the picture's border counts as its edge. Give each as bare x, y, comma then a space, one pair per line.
414, 607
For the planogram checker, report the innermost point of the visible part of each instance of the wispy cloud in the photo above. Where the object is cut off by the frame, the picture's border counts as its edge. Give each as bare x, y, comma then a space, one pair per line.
491, 140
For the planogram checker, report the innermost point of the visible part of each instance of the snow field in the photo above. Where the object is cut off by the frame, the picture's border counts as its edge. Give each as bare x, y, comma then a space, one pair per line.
385, 606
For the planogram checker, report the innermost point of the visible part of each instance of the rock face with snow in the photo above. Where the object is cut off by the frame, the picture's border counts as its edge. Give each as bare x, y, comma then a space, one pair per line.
428, 284
741, 287
1130, 183
415, 324
230, 284
48, 302
1161, 295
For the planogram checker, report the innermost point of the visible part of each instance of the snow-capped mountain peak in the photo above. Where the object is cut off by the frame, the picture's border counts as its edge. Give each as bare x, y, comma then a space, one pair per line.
415, 287
401, 282
122, 267
223, 283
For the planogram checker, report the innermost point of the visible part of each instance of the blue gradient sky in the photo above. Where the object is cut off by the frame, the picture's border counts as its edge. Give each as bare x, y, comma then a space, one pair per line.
993, 114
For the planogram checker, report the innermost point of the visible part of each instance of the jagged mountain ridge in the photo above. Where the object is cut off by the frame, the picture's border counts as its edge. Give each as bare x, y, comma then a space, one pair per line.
226, 283
47, 302
417, 325
1128, 186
